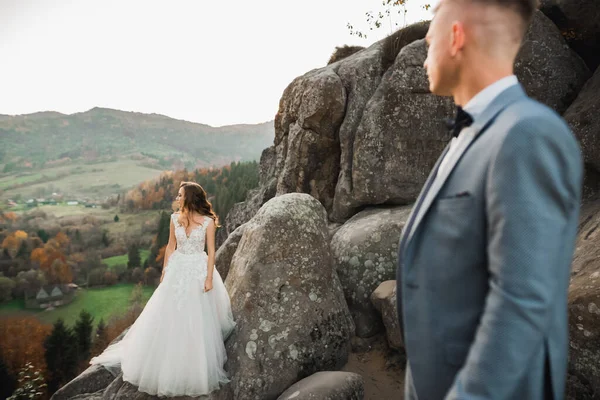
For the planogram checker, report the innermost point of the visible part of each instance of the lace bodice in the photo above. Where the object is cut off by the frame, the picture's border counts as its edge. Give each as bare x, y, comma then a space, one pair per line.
195, 242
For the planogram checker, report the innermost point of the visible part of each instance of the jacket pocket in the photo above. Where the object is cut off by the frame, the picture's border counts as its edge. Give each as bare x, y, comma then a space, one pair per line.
457, 202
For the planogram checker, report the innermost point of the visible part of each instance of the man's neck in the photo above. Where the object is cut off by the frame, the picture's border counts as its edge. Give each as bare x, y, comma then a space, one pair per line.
474, 82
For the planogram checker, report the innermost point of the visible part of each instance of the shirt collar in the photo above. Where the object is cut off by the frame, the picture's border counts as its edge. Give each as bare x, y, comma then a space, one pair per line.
483, 99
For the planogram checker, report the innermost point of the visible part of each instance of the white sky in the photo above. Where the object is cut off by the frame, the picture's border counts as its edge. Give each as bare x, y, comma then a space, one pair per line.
216, 62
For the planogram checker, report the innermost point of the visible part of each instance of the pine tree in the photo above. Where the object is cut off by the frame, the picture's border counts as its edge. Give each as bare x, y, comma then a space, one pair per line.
83, 331
43, 235
61, 355
24, 251
8, 383
135, 260
162, 238
105, 239
116, 218
101, 339
78, 237
164, 228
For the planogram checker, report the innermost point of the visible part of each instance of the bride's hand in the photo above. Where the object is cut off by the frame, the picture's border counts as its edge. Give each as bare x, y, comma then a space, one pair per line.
208, 284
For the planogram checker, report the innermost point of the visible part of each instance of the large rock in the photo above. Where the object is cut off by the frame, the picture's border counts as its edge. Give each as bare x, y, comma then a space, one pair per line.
91, 380
579, 22
384, 299
401, 134
329, 385
88, 396
306, 134
226, 251
241, 213
584, 306
117, 389
582, 116
365, 253
366, 131
318, 117
120, 390
292, 320
360, 76
551, 72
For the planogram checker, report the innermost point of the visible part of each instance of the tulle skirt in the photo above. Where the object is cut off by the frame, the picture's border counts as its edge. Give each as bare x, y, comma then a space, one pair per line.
176, 346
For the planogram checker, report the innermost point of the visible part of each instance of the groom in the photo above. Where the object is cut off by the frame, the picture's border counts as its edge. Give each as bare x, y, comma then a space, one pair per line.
484, 259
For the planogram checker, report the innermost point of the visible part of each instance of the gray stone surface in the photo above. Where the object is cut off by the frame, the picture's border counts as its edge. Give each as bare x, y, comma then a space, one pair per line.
365, 253
327, 385
291, 316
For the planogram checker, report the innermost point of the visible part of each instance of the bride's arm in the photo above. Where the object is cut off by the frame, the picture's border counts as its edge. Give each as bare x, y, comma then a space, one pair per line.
210, 250
170, 248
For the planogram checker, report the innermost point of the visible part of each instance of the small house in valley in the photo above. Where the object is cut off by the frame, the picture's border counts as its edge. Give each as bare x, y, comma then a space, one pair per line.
49, 296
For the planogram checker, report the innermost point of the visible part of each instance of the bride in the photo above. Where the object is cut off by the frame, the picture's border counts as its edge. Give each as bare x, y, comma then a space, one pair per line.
175, 347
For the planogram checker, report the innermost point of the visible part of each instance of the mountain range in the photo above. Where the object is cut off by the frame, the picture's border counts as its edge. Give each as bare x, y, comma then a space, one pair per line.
45, 139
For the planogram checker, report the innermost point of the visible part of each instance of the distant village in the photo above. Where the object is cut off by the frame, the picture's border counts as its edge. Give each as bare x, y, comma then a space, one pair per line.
55, 199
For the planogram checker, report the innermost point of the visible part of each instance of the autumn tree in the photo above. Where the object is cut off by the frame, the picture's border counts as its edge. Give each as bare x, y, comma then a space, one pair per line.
151, 274
160, 241
12, 243
10, 216
30, 280
237, 178
52, 260
22, 341
137, 275
160, 257
110, 278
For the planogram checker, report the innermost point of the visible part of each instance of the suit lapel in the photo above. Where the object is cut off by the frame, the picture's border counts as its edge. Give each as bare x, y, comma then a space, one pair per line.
441, 178
430, 179
505, 98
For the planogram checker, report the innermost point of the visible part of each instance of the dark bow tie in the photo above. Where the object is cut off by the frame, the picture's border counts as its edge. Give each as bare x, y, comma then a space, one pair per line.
463, 119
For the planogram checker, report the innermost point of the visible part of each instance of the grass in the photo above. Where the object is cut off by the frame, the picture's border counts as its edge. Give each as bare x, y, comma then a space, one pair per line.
12, 306
128, 226
83, 180
101, 303
20, 180
124, 259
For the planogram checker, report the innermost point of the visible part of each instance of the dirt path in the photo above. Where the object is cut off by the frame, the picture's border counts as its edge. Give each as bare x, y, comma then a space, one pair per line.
382, 370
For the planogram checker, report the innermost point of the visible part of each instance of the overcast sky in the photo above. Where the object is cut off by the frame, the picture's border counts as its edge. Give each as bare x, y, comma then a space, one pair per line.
215, 62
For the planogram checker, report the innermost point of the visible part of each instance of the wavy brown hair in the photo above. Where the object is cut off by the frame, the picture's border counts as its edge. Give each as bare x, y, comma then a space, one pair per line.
195, 200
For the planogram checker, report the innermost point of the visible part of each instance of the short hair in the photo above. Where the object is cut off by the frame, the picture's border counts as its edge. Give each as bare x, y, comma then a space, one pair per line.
525, 8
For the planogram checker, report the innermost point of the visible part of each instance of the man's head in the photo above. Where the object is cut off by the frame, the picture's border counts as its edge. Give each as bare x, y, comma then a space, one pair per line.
474, 36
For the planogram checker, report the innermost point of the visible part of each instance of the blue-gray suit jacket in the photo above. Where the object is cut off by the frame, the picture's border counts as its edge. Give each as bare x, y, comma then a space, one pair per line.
484, 260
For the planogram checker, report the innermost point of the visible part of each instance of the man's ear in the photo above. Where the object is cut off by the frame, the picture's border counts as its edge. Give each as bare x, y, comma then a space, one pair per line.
457, 38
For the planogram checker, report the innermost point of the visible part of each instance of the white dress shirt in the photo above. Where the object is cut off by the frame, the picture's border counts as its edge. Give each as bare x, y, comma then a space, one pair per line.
475, 107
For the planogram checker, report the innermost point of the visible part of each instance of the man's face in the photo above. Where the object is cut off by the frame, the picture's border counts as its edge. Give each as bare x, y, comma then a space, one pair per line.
441, 65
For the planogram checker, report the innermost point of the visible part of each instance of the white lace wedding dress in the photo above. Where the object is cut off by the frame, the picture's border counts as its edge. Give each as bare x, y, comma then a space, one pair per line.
175, 347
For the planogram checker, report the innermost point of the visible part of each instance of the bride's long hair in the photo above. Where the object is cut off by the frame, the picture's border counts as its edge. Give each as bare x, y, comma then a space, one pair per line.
195, 200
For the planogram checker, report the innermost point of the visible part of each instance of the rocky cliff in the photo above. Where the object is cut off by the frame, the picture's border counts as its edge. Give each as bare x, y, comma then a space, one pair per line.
310, 255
